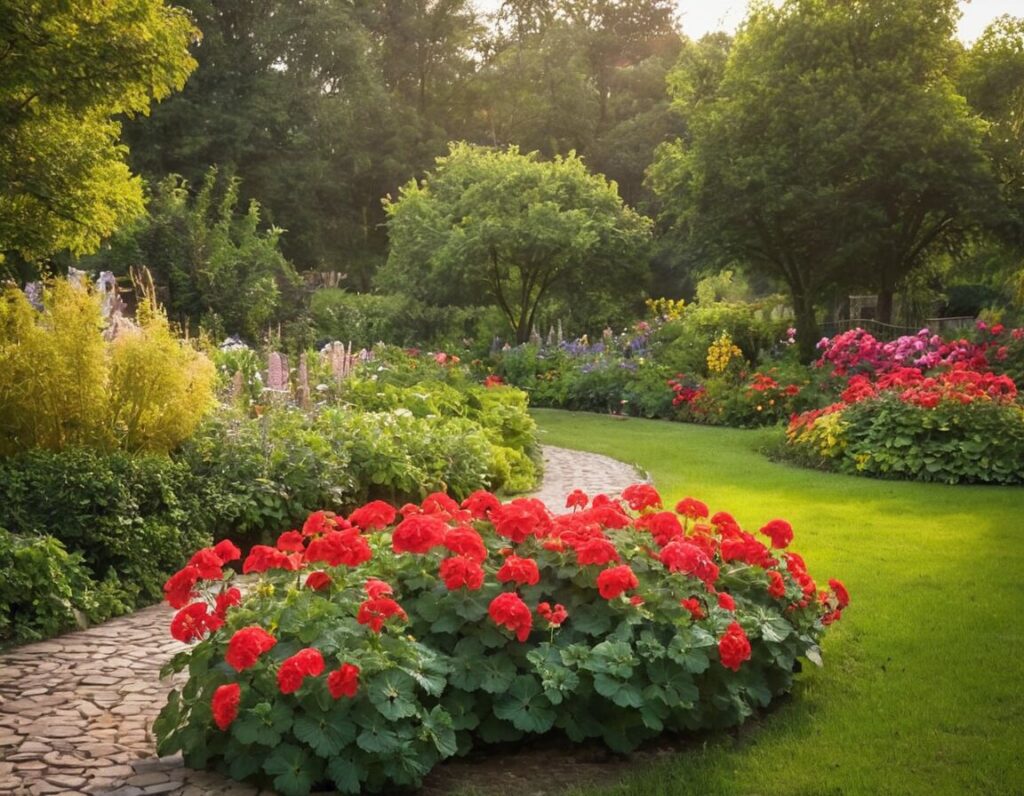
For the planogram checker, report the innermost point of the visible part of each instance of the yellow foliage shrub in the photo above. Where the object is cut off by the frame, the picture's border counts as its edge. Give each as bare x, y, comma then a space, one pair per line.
63, 385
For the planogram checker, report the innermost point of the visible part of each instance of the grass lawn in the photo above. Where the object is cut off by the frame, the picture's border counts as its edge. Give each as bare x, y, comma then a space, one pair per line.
923, 685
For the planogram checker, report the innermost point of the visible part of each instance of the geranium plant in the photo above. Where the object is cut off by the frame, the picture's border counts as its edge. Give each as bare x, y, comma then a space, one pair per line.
366, 649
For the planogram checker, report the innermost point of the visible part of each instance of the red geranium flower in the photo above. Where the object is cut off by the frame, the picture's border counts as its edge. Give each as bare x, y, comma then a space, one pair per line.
726, 601
842, 595
376, 611
734, 647
692, 508
344, 681
776, 585
554, 616
440, 503
464, 541
261, 558
596, 550
193, 622
180, 587
418, 533
337, 548
226, 551
246, 646
641, 496
376, 589
461, 571
226, 599
374, 515
318, 581
509, 610
692, 604
290, 542
517, 520
614, 581
577, 499
680, 556
481, 503
304, 663
207, 564
224, 704
519, 570
664, 526
316, 523
780, 531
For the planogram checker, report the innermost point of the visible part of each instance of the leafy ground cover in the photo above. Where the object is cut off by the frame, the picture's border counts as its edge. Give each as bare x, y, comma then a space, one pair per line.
923, 691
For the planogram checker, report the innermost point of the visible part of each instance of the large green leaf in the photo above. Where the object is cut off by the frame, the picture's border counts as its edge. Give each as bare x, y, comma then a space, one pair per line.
325, 733
294, 770
393, 693
525, 706
496, 673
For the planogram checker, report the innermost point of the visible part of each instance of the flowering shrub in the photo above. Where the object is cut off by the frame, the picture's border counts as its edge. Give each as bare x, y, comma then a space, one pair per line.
369, 648
955, 425
761, 399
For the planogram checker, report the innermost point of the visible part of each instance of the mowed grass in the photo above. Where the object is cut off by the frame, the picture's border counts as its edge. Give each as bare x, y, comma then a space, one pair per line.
923, 686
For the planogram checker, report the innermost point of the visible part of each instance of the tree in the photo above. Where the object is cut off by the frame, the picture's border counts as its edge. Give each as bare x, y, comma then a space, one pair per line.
67, 69
835, 151
211, 263
511, 229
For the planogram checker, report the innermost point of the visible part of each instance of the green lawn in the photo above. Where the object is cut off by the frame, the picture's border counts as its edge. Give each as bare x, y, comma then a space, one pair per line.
923, 685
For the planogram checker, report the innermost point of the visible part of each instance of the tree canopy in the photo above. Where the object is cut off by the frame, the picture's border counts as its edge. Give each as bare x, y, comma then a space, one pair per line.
512, 229
835, 151
68, 69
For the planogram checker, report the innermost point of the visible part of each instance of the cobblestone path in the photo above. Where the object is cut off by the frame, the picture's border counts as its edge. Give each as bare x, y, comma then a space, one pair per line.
76, 711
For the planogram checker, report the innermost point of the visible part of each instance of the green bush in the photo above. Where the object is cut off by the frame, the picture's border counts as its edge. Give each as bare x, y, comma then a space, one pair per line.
599, 624
133, 519
46, 590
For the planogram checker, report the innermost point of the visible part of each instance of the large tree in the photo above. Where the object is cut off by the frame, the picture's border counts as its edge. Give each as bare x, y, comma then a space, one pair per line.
67, 70
835, 152
511, 229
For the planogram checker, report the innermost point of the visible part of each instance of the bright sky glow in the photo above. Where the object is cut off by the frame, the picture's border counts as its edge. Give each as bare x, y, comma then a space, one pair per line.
703, 16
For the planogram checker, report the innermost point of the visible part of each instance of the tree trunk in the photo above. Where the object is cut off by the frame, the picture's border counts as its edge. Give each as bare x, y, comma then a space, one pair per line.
883, 312
807, 332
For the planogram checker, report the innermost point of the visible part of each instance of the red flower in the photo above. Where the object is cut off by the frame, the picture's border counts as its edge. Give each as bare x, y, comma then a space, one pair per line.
519, 570
418, 534
193, 622
337, 548
246, 646
734, 647
460, 571
509, 610
304, 663
597, 550
780, 531
226, 599
224, 704
316, 523
180, 587
439, 503
226, 551
261, 558
374, 515
344, 681
290, 542
679, 556
517, 520
376, 589
641, 496
376, 611
207, 564
776, 585
664, 526
726, 601
464, 541
842, 595
493, 380
614, 581
692, 508
636, 599
481, 503
554, 616
318, 581
577, 499
692, 604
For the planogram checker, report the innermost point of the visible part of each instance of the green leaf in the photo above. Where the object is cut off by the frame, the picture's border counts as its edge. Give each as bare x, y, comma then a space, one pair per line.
393, 693
461, 706
624, 694
496, 673
525, 706
326, 733
438, 726
594, 619
613, 657
346, 774
293, 769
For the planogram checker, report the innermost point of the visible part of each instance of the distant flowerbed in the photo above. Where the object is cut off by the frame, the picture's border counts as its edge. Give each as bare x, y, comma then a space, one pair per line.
372, 647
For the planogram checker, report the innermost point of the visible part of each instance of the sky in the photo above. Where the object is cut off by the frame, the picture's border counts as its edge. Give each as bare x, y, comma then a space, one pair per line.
702, 16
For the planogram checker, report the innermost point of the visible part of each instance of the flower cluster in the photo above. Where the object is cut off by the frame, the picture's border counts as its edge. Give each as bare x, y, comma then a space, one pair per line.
373, 606
721, 352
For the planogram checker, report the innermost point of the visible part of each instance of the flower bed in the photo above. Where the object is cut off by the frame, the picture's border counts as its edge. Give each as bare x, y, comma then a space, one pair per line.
368, 649
956, 425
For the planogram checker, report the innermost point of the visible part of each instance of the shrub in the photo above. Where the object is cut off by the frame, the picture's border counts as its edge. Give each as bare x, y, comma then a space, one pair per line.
366, 651
46, 590
957, 426
63, 385
133, 519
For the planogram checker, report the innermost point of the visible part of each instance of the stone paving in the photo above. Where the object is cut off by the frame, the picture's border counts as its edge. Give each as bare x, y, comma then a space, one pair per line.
76, 711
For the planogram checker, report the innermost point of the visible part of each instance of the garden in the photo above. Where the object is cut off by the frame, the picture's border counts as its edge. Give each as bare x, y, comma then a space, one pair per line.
483, 397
